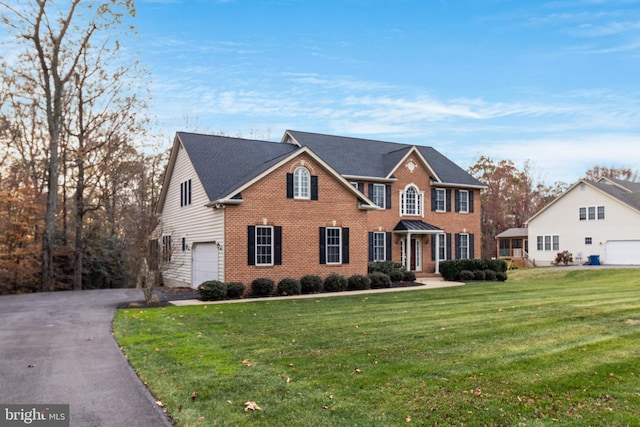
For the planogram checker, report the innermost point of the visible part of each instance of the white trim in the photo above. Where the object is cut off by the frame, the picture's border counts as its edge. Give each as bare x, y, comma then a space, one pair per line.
326, 245
300, 188
271, 245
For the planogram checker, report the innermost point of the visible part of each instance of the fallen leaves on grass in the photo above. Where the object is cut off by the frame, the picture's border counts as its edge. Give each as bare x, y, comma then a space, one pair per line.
194, 395
247, 363
286, 378
251, 406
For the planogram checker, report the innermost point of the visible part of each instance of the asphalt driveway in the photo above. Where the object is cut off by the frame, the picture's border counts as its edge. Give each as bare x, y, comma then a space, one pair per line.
57, 348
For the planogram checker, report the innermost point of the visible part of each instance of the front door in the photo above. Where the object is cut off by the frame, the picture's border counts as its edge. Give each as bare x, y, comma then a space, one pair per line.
415, 256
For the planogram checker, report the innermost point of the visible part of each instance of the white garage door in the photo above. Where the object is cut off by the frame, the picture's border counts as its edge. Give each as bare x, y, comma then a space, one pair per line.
622, 252
205, 263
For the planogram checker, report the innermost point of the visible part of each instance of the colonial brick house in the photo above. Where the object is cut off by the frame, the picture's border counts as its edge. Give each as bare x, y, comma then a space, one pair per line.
234, 209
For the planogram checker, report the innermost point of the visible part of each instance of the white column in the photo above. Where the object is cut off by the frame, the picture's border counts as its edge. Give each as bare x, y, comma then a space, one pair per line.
408, 247
437, 245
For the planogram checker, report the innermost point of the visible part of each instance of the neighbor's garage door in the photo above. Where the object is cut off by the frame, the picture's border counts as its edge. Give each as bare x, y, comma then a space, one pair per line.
622, 252
205, 263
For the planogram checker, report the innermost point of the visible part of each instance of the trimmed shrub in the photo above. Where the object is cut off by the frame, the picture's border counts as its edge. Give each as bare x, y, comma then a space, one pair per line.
479, 275
466, 275
358, 282
289, 287
311, 284
500, 276
335, 283
379, 280
396, 275
235, 289
384, 267
409, 276
450, 270
212, 290
262, 287
490, 275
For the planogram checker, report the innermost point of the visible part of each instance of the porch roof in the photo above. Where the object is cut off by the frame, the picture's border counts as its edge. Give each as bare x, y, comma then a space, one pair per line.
416, 226
514, 233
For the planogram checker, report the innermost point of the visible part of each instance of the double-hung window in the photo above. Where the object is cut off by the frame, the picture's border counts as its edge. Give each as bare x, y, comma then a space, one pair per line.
463, 201
442, 246
166, 248
440, 202
334, 245
379, 252
591, 213
264, 245
378, 195
463, 246
548, 243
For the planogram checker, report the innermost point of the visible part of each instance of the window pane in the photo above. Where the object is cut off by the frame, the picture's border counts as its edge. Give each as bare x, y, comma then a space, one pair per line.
556, 243
264, 245
547, 243
333, 245
600, 212
301, 183
442, 250
440, 202
464, 201
378, 195
583, 214
378, 246
592, 212
540, 243
410, 201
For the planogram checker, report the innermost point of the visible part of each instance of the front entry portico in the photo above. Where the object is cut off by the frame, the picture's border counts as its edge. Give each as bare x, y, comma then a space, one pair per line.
412, 234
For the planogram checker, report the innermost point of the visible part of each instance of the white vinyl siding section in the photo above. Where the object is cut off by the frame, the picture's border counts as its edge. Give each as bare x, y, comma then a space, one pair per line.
204, 225
568, 218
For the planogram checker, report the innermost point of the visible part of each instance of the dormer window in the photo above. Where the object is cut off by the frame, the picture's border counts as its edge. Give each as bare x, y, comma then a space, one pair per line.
301, 183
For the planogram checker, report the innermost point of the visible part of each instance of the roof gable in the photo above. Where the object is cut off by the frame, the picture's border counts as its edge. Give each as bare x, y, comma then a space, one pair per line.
625, 192
367, 158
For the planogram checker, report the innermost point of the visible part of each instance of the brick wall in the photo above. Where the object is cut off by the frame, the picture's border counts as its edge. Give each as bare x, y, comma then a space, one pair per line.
266, 203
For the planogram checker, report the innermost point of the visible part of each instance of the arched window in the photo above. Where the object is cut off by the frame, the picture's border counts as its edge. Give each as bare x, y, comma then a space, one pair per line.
411, 201
301, 183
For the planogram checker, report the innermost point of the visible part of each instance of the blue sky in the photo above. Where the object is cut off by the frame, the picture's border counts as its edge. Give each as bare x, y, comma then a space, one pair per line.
553, 82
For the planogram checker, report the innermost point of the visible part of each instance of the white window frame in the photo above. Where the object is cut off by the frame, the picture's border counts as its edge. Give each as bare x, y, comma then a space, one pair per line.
588, 240
262, 257
417, 205
548, 242
465, 246
591, 213
442, 247
463, 200
301, 183
333, 240
441, 200
379, 246
378, 196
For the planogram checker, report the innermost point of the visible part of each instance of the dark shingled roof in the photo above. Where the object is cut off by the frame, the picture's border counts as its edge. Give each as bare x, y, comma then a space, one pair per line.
415, 225
223, 163
371, 158
630, 194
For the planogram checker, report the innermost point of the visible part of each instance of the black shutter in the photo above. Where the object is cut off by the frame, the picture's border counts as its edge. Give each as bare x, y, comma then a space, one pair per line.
345, 246
181, 194
448, 245
457, 246
457, 198
387, 195
277, 245
471, 250
371, 246
323, 248
189, 192
361, 187
433, 247
434, 203
314, 187
289, 186
251, 245
470, 201
448, 199
388, 237
370, 192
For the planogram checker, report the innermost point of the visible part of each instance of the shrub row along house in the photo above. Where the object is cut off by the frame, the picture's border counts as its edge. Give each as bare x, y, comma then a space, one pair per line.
234, 209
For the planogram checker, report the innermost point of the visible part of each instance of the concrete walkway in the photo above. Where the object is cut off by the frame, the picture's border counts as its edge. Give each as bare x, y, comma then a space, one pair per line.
57, 348
425, 283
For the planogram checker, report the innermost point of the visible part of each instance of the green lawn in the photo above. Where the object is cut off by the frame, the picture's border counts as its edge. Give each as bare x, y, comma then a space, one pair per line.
544, 348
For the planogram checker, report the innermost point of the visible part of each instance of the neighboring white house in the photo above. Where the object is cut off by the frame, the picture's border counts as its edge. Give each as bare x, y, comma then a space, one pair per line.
590, 219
